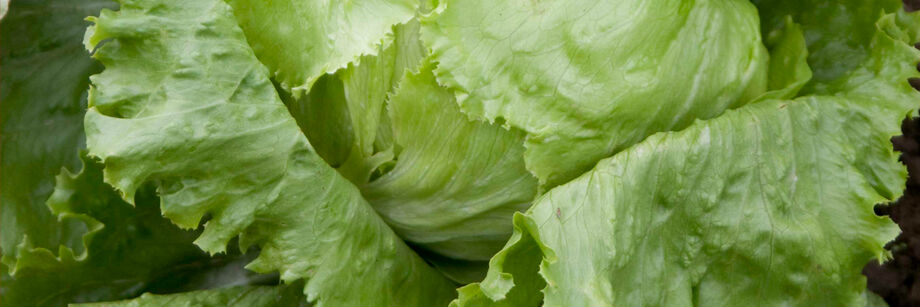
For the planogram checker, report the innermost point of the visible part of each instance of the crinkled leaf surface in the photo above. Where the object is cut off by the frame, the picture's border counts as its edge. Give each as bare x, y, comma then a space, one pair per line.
127, 250
90, 245
323, 35
249, 296
184, 103
772, 201
457, 182
586, 79
369, 82
724, 237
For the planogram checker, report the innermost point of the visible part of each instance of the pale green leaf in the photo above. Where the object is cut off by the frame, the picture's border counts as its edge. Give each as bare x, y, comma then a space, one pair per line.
727, 235
457, 182
301, 40
369, 82
586, 79
772, 201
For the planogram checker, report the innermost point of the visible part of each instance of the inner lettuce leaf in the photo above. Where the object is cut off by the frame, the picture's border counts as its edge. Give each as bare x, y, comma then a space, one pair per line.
344, 114
368, 84
450, 190
788, 70
773, 200
457, 182
323, 35
586, 79
202, 121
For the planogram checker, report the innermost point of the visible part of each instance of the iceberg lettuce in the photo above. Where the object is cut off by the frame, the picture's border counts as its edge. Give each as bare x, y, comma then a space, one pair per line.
462, 153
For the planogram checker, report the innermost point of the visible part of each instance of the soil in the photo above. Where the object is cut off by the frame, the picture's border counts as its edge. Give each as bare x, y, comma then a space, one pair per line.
898, 280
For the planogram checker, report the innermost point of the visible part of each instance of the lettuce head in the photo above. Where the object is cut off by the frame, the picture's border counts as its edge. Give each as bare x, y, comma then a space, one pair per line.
449, 153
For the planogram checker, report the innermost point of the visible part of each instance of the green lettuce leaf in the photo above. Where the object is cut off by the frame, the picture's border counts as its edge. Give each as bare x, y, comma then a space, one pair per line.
586, 79
124, 251
789, 70
84, 244
327, 35
368, 85
254, 296
324, 118
837, 33
772, 201
184, 103
203, 116
725, 238
452, 194
455, 187
43, 94
344, 114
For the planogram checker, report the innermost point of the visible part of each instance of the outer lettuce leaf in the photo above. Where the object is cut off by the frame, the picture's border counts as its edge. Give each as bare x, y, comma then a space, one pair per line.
185, 104
802, 238
891, 61
837, 32
586, 79
327, 35
457, 182
43, 95
731, 234
252, 296
127, 250
772, 201
90, 245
